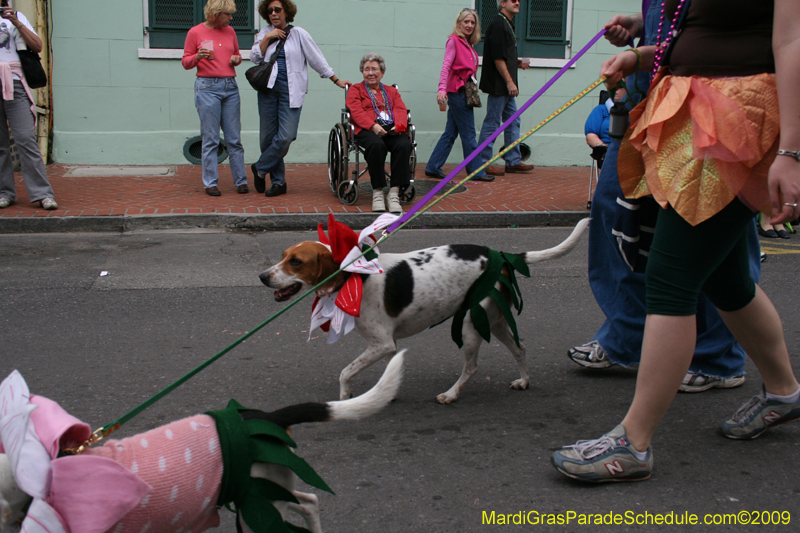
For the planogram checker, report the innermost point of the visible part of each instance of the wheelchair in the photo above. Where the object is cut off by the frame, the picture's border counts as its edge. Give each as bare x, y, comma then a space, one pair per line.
344, 165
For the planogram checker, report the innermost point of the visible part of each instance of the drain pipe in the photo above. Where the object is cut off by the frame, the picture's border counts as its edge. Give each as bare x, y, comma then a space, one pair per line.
36, 12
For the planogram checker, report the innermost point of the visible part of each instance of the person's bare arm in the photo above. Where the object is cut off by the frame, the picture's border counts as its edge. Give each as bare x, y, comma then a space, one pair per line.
784, 174
502, 68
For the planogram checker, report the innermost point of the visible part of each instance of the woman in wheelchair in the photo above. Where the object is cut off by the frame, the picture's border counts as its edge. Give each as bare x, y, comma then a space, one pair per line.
380, 121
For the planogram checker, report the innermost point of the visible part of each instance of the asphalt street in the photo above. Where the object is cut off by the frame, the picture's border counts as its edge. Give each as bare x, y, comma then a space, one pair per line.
99, 322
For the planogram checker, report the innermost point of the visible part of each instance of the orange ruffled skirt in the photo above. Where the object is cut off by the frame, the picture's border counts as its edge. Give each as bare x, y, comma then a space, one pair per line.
698, 143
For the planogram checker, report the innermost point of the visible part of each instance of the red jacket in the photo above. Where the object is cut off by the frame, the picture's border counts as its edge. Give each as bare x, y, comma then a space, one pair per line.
362, 114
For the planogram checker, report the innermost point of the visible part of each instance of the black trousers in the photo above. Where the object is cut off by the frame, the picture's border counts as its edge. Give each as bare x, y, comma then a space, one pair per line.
375, 150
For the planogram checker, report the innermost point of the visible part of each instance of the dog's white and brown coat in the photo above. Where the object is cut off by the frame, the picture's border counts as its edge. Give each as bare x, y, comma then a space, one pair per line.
417, 290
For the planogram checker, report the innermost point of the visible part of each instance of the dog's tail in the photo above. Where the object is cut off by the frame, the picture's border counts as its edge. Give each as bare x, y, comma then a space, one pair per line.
562, 249
362, 406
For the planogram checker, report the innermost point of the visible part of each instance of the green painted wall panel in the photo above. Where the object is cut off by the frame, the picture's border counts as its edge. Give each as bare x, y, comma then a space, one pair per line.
111, 107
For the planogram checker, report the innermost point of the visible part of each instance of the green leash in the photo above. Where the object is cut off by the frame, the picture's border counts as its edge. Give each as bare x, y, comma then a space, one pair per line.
106, 430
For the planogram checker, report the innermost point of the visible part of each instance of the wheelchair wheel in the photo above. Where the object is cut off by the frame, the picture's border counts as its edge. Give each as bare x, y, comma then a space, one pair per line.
337, 157
408, 194
347, 191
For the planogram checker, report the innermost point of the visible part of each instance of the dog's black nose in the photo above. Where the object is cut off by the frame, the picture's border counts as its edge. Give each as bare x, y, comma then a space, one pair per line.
264, 277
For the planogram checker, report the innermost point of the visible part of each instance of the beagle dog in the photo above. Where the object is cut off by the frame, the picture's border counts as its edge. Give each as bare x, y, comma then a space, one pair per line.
416, 291
167, 505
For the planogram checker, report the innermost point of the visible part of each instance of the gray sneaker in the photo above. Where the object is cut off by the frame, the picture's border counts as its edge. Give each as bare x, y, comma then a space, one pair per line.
759, 414
609, 458
590, 355
700, 382
5, 202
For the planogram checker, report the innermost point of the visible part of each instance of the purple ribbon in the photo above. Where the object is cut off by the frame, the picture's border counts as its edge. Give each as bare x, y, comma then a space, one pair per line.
407, 216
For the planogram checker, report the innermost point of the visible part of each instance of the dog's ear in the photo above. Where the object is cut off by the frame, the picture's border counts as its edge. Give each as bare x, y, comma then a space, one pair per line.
327, 266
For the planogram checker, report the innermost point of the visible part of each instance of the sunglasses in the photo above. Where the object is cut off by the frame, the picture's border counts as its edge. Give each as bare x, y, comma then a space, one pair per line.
271, 10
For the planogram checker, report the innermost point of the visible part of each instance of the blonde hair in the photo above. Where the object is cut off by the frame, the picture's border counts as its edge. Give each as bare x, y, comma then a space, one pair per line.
475, 38
214, 7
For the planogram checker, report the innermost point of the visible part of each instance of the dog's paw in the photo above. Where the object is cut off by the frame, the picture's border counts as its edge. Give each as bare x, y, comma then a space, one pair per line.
446, 398
520, 384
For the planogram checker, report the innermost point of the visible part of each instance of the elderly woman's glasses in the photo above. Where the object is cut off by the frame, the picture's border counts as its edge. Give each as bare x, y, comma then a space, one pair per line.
371, 69
271, 10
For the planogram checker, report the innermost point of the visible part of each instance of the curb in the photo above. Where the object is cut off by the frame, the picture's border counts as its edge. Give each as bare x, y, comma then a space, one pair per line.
282, 222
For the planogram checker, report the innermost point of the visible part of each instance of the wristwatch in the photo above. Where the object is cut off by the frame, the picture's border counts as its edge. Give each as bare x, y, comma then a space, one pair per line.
795, 155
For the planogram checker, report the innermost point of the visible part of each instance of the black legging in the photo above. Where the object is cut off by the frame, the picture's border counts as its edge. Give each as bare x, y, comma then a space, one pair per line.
375, 150
711, 257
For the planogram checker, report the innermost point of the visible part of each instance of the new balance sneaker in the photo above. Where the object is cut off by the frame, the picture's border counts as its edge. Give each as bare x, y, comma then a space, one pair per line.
590, 355
609, 458
700, 382
759, 414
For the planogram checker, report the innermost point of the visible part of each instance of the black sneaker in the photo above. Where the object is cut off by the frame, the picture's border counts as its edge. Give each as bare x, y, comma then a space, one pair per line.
276, 190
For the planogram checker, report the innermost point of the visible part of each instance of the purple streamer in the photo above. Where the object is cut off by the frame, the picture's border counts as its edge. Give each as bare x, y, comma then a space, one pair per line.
493, 136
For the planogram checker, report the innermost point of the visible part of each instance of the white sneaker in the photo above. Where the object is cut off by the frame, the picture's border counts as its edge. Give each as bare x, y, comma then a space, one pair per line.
377, 201
5, 202
49, 204
590, 355
394, 200
700, 382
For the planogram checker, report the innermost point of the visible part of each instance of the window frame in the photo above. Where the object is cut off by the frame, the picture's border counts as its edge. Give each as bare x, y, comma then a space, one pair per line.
535, 61
149, 52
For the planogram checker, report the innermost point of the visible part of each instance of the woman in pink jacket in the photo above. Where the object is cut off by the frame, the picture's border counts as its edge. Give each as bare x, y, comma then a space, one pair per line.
460, 64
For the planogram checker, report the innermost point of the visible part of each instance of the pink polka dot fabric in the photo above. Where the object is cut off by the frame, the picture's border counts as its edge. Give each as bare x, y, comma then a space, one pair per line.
182, 461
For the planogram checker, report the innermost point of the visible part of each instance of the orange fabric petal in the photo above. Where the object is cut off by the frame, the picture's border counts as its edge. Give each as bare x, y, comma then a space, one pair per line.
696, 143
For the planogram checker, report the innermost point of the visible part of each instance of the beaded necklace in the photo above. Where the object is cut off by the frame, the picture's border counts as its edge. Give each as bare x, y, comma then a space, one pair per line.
661, 47
384, 118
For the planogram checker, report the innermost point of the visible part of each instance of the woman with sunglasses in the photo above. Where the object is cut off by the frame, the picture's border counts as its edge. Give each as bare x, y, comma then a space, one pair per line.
460, 64
279, 108
212, 48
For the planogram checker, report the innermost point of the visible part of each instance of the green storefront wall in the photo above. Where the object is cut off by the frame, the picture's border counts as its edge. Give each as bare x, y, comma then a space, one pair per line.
112, 104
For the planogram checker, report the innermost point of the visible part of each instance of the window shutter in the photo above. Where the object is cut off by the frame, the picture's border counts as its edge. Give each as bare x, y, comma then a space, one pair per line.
173, 14
487, 10
547, 21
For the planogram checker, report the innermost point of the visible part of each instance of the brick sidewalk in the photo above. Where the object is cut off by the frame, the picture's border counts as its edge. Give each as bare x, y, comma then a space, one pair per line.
546, 189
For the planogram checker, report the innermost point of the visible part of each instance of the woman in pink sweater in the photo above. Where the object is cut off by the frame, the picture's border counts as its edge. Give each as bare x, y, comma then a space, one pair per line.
212, 47
460, 64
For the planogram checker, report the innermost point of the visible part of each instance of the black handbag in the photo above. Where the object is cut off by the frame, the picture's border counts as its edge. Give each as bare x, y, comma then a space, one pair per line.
32, 68
258, 76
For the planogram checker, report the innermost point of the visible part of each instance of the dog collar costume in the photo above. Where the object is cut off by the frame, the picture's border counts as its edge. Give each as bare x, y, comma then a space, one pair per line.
336, 312
143, 483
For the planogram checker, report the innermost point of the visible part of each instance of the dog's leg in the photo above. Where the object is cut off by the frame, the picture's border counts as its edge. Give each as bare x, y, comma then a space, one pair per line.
472, 344
371, 355
502, 332
308, 509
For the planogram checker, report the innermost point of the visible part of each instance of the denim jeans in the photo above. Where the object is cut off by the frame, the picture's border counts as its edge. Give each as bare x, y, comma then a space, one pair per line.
279, 124
217, 102
620, 292
460, 122
498, 110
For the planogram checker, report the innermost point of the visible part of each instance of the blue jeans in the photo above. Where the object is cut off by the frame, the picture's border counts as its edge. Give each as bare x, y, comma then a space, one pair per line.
498, 110
278, 129
460, 122
217, 102
620, 291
